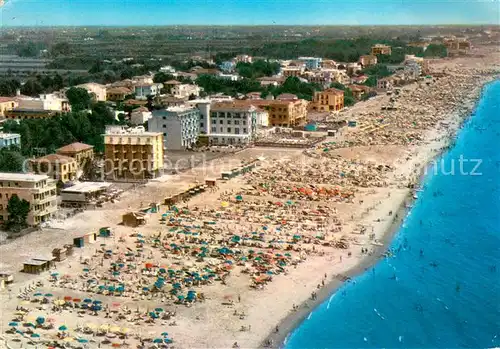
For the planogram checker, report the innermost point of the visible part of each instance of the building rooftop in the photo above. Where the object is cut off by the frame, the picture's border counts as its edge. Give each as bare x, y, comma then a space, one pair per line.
54, 158
7, 99
180, 108
123, 131
75, 147
22, 177
222, 106
172, 82
8, 135
334, 90
87, 187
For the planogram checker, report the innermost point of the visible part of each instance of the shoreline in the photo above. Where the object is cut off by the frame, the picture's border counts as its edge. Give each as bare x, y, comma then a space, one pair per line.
294, 319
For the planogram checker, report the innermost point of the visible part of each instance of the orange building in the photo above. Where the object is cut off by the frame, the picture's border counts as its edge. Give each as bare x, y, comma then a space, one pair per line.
331, 99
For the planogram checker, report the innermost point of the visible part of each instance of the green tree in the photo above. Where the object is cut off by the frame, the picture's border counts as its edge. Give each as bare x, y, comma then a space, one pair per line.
11, 160
161, 77
79, 98
32, 88
371, 81
18, 211
436, 50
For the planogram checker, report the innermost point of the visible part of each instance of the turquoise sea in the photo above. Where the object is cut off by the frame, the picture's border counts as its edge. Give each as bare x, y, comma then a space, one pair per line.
442, 287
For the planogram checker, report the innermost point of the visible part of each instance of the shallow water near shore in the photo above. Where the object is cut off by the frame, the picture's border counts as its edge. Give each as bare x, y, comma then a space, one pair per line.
441, 287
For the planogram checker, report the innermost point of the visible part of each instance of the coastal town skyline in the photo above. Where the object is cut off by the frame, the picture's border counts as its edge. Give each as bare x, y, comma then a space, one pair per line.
237, 12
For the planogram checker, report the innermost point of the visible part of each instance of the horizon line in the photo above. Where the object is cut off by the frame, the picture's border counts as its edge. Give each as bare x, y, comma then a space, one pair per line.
252, 25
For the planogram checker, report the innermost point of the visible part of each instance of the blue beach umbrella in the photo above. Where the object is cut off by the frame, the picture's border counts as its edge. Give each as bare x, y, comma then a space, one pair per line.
82, 340
63, 328
157, 340
164, 334
35, 335
13, 324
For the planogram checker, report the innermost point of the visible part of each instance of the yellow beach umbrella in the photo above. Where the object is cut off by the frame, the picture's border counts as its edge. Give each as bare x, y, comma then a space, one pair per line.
125, 330
104, 327
114, 329
68, 339
224, 204
59, 302
91, 326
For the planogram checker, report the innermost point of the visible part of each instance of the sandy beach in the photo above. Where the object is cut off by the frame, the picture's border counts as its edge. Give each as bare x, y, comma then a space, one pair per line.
300, 224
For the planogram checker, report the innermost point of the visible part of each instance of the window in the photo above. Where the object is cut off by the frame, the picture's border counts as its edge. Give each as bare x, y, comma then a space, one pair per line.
245, 130
214, 122
164, 118
201, 124
229, 129
237, 131
214, 114
229, 122
222, 130
164, 126
222, 122
165, 134
236, 122
214, 129
244, 122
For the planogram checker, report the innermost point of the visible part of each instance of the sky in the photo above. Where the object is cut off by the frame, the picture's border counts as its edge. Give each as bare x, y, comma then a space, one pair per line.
246, 12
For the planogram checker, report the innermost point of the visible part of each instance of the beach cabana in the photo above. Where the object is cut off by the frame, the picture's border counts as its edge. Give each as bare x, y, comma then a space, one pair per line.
37, 265
134, 219
210, 182
79, 242
90, 238
60, 254
105, 232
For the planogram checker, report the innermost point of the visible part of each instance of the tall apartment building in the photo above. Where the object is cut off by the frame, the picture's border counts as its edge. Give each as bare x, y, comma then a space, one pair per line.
232, 123
38, 190
59, 167
81, 152
179, 126
132, 153
380, 49
330, 99
284, 113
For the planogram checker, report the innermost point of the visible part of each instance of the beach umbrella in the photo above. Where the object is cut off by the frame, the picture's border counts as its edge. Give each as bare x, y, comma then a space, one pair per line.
68, 339
63, 328
239, 198
35, 335
157, 340
76, 300
67, 298
164, 334
40, 320
114, 329
87, 300
168, 340
97, 301
158, 310
82, 340
49, 295
30, 324
104, 327
38, 294
13, 324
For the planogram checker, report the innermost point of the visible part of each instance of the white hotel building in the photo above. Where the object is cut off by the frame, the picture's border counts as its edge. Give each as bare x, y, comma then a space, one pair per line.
179, 125
230, 123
